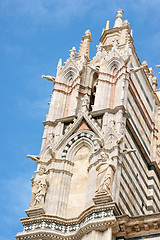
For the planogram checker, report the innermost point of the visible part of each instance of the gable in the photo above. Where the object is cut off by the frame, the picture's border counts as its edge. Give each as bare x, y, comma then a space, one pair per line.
84, 122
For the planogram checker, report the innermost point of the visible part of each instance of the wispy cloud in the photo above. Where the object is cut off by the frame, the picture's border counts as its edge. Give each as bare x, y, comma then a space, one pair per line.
34, 109
18, 186
55, 12
45, 10
15, 197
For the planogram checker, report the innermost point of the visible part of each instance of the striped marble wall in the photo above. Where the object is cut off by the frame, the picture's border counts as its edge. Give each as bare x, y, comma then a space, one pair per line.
139, 190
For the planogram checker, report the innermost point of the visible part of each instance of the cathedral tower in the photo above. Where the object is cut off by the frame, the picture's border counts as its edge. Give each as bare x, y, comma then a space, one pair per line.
98, 173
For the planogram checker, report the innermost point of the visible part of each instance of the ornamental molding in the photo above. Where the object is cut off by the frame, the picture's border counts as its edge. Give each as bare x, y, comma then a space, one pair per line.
112, 206
67, 229
139, 225
87, 228
94, 218
95, 113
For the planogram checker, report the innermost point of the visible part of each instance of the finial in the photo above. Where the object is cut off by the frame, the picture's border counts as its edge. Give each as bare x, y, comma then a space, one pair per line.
158, 66
150, 74
107, 25
146, 69
118, 22
145, 64
154, 83
59, 66
119, 13
88, 33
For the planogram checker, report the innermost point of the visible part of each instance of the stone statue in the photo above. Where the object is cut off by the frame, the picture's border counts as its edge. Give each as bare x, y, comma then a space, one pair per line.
105, 175
39, 188
85, 103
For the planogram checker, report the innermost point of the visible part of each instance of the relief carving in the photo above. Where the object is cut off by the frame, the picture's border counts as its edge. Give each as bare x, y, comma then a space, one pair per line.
39, 187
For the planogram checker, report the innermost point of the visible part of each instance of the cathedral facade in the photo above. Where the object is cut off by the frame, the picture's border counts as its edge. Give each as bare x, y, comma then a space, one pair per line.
98, 175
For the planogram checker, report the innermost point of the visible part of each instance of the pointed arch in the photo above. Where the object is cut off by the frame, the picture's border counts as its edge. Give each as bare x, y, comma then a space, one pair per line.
78, 154
83, 141
70, 73
81, 137
112, 64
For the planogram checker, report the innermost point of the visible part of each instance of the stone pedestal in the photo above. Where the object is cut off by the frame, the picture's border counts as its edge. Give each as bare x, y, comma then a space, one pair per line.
102, 198
34, 212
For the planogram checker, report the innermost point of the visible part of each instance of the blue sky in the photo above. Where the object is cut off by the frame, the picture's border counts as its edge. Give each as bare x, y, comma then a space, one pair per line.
33, 36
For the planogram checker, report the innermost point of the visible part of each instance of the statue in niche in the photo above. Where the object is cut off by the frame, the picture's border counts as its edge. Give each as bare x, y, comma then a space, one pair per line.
39, 187
85, 102
105, 174
110, 141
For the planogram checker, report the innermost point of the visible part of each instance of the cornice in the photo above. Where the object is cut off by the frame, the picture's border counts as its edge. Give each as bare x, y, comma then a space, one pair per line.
114, 110
62, 120
95, 113
138, 225
113, 30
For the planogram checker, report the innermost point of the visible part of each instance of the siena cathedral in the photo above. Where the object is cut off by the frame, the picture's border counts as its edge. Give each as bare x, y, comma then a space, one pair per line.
98, 171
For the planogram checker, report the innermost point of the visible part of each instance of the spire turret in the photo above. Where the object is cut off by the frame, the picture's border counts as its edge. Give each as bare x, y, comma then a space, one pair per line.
84, 46
118, 22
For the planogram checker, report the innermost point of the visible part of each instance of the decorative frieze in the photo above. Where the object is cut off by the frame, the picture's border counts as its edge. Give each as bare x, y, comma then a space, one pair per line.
63, 228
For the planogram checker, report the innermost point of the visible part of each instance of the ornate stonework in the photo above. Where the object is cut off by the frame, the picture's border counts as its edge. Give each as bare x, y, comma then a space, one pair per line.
98, 173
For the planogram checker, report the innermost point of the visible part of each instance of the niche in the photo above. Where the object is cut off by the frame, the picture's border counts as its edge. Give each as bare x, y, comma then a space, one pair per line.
78, 185
93, 90
115, 71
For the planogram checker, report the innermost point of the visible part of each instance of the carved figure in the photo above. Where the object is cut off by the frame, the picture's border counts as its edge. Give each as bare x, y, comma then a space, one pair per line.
105, 175
50, 78
33, 157
39, 188
85, 103
136, 69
